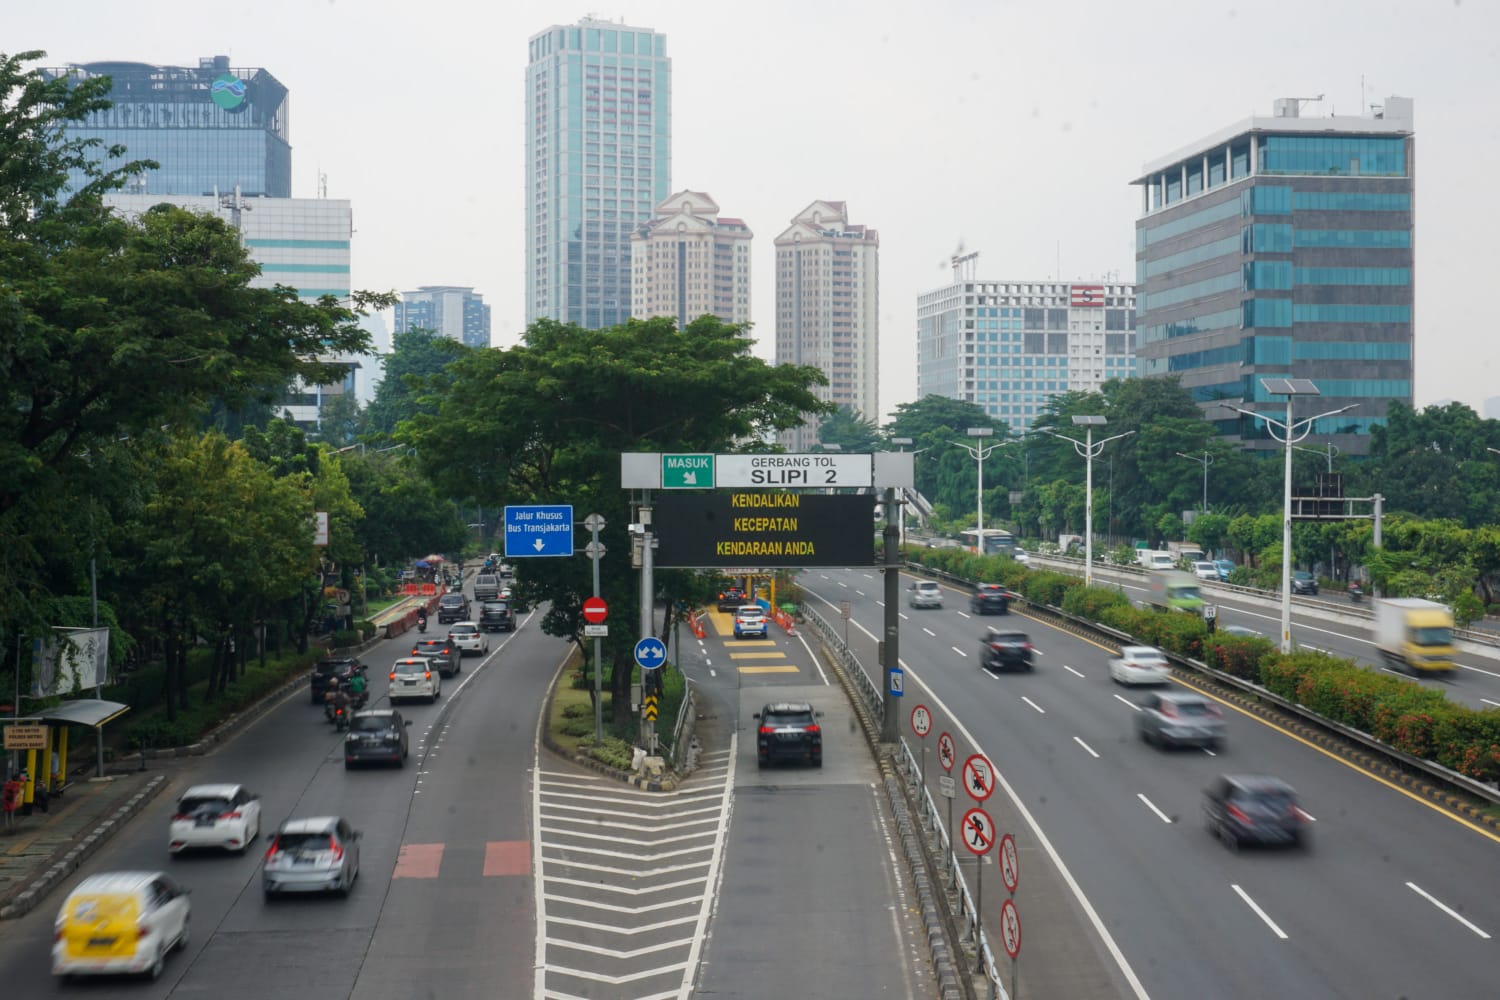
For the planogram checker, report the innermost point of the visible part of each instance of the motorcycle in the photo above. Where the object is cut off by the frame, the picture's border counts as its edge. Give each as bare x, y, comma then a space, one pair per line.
421, 623
1356, 593
339, 705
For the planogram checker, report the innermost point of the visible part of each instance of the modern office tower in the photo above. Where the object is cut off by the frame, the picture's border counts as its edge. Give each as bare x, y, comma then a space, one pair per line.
453, 311
1010, 346
299, 242
1282, 247
210, 127
828, 309
598, 160
687, 262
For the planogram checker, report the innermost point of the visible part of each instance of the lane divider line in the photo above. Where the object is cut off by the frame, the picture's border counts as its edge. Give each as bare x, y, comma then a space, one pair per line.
1445, 908
1259, 912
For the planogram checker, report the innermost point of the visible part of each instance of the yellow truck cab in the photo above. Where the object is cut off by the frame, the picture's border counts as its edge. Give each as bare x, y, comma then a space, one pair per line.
120, 922
1415, 633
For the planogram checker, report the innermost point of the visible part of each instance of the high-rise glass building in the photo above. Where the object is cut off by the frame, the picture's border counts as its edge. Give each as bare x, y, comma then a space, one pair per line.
453, 311
828, 309
210, 127
598, 161
1010, 346
690, 261
1282, 247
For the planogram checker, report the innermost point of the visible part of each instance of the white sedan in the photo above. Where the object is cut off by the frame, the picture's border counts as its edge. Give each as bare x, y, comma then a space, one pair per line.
224, 816
467, 638
1140, 665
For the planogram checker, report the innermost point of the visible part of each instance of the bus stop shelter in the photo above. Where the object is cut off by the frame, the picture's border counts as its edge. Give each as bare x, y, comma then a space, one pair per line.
46, 733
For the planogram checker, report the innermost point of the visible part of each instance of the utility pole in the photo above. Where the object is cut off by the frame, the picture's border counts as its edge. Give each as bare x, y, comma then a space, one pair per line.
648, 590
890, 722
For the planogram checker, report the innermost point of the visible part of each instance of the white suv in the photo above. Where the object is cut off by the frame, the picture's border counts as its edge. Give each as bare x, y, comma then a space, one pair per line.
414, 678
925, 594
225, 816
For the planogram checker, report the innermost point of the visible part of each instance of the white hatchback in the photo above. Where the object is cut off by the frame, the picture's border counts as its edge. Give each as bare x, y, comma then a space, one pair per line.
223, 815
925, 594
1140, 665
467, 638
414, 678
1206, 571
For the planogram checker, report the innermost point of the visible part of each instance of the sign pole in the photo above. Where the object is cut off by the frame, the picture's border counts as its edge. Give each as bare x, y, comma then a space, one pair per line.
648, 726
890, 726
594, 522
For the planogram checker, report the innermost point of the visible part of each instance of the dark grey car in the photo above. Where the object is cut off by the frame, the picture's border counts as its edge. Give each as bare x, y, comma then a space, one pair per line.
1180, 718
376, 735
1004, 650
442, 654
1243, 809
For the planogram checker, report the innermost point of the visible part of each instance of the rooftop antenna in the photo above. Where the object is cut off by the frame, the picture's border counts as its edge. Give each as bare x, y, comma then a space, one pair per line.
322, 184
962, 263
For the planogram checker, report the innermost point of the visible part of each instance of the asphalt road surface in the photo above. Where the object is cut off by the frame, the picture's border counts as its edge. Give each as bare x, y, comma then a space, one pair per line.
1393, 899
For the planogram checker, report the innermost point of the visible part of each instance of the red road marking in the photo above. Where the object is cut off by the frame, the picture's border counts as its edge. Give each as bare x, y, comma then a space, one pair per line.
419, 861
507, 857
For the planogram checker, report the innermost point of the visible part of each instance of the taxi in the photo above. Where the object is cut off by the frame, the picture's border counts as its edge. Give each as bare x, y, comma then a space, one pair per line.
120, 922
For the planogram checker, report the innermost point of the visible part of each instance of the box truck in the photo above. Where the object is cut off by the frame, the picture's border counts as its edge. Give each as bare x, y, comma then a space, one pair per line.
1415, 634
1174, 590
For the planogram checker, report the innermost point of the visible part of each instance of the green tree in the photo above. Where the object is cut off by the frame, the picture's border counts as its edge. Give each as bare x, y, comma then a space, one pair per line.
415, 355
546, 422
852, 433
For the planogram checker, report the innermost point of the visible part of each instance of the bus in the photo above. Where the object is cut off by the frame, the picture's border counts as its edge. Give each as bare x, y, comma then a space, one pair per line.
996, 541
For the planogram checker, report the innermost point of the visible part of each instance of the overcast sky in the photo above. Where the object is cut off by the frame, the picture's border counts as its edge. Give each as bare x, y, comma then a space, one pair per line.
1012, 128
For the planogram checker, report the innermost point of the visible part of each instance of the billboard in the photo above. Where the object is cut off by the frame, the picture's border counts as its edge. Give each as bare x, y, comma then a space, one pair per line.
70, 660
738, 528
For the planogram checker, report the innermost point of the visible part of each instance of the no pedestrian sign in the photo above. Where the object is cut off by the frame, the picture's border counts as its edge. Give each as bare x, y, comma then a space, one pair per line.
978, 831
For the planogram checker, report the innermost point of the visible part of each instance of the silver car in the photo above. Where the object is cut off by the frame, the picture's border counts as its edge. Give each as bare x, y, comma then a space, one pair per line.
315, 854
1180, 718
925, 594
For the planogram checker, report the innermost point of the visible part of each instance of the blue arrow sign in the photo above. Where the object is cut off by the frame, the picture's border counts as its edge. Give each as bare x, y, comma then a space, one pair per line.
545, 530
898, 682
650, 653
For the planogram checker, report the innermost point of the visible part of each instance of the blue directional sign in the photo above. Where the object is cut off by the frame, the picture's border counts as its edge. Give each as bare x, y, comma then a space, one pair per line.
650, 653
545, 530
898, 682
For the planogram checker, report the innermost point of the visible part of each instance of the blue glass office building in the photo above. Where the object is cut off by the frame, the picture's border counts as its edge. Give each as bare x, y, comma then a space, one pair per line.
210, 126
1282, 247
598, 161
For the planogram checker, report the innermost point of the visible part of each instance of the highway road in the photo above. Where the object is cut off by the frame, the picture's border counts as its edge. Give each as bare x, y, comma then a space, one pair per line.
1393, 899
490, 868
1323, 623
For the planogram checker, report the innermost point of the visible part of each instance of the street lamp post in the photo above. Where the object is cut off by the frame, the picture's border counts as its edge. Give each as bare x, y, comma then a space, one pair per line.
1290, 388
1205, 461
1088, 448
901, 443
979, 452
1330, 450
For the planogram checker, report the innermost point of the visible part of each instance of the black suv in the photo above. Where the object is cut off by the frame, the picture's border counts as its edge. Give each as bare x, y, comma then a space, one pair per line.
453, 608
376, 735
990, 599
444, 657
1304, 582
788, 729
329, 674
1254, 809
1004, 650
731, 598
497, 616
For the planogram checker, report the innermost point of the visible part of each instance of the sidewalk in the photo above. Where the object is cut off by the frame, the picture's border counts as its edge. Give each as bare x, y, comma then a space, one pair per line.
40, 850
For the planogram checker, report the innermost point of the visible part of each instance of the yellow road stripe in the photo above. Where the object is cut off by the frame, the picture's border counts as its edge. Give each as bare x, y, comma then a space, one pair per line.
769, 670
767, 655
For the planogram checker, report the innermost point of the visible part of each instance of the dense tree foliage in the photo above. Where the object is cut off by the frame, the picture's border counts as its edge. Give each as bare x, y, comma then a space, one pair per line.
415, 355
547, 421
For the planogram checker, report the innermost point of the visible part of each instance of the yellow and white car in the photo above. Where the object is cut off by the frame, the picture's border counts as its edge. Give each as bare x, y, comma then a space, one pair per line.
120, 922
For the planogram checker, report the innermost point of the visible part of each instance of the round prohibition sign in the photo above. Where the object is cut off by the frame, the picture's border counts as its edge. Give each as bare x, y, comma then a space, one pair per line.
1010, 865
979, 777
947, 751
978, 831
1010, 928
921, 721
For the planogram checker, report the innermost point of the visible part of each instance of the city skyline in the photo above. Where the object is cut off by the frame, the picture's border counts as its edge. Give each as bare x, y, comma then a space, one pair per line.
941, 129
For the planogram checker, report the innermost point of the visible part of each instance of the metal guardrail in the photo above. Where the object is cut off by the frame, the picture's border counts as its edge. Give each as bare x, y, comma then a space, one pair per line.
875, 701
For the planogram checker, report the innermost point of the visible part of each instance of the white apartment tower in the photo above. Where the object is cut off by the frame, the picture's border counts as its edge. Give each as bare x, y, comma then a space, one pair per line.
828, 309
687, 261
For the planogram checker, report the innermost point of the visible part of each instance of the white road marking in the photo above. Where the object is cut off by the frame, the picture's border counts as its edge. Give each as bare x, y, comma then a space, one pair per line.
1209, 752
1445, 908
1080, 742
903, 615
1262, 913
1033, 704
929, 631
861, 593
1121, 698
1477, 670
1072, 671
843, 584
959, 652
1488, 702
964, 614
1152, 806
